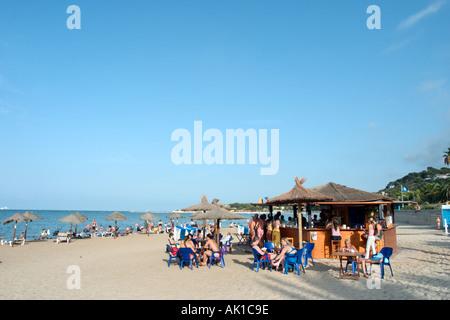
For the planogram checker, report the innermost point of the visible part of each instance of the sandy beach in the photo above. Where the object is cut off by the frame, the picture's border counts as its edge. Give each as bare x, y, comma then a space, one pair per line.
135, 267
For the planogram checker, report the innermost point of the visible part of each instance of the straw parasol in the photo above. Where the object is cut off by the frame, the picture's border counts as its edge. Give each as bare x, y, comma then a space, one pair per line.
72, 219
217, 214
148, 216
82, 216
116, 216
175, 215
202, 206
296, 196
17, 217
31, 216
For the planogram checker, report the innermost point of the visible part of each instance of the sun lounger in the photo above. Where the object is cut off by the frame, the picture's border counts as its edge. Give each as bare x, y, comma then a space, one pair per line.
62, 237
7, 241
20, 241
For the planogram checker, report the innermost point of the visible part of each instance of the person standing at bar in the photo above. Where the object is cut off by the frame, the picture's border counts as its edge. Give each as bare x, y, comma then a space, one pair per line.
370, 244
335, 230
276, 235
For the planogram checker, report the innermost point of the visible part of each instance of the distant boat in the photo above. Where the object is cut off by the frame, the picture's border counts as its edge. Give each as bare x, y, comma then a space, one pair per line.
4, 208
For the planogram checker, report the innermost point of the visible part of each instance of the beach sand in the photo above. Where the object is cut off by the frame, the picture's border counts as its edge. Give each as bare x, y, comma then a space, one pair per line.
135, 267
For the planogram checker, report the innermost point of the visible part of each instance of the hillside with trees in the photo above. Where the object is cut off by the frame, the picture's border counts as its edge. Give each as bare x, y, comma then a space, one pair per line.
426, 187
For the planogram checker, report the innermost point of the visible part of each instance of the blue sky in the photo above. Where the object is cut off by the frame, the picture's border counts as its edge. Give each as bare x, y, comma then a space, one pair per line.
86, 116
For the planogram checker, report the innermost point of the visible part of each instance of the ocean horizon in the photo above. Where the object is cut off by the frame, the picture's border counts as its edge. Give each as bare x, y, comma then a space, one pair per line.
50, 221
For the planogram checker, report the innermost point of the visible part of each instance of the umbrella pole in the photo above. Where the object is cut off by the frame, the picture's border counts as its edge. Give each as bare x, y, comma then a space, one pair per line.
115, 229
14, 235
204, 229
70, 235
26, 226
300, 235
217, 230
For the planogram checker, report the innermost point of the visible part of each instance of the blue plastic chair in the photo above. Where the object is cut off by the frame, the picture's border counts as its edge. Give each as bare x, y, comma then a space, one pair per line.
269, 246
173, 255
213, 259
257, 260
354, 266
387, 253
185, 257
307, 253
294, 264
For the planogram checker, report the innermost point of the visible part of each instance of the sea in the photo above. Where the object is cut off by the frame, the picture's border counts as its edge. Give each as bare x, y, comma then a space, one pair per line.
50, 221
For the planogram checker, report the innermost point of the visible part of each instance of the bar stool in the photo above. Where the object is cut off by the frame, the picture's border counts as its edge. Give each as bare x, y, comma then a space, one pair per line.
335, 244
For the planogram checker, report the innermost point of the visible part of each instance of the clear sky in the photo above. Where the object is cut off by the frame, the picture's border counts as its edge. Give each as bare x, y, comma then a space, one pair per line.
86, 116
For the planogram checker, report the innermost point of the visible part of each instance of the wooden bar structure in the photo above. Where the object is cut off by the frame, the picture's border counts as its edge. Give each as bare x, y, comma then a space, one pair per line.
352, 207
321, 237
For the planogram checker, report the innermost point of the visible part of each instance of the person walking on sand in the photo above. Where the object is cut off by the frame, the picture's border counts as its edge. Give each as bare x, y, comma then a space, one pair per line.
438, 221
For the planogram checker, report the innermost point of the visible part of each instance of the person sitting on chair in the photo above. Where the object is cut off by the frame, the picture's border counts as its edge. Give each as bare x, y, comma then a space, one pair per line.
375, 259
348, 247
261, 251
288, 252
210, 246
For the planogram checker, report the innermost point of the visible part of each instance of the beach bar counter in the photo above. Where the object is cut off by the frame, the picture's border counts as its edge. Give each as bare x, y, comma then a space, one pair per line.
352, 207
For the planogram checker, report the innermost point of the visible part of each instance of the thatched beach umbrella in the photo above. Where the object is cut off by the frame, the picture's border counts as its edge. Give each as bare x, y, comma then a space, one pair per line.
31, 216
82, 216
72, 219
148, 216
217, 214
17, 217
175, 215
116, 216
203, 206
296, 196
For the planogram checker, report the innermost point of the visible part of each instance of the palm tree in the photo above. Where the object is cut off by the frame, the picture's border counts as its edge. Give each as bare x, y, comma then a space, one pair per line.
445, 192
447, 157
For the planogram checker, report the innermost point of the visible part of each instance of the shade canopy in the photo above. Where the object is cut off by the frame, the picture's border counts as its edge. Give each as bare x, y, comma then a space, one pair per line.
31, 216
149, 216
82, 216
298, 194
17, 217
216, 214
72, 218
204, 205
116, 216
175, 215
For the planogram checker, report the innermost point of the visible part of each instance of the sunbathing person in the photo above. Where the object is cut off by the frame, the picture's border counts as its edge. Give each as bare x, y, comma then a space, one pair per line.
43, 235
211, 246
288, 252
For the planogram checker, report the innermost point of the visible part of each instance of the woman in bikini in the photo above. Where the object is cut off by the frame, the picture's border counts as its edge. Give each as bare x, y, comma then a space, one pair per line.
288, 252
